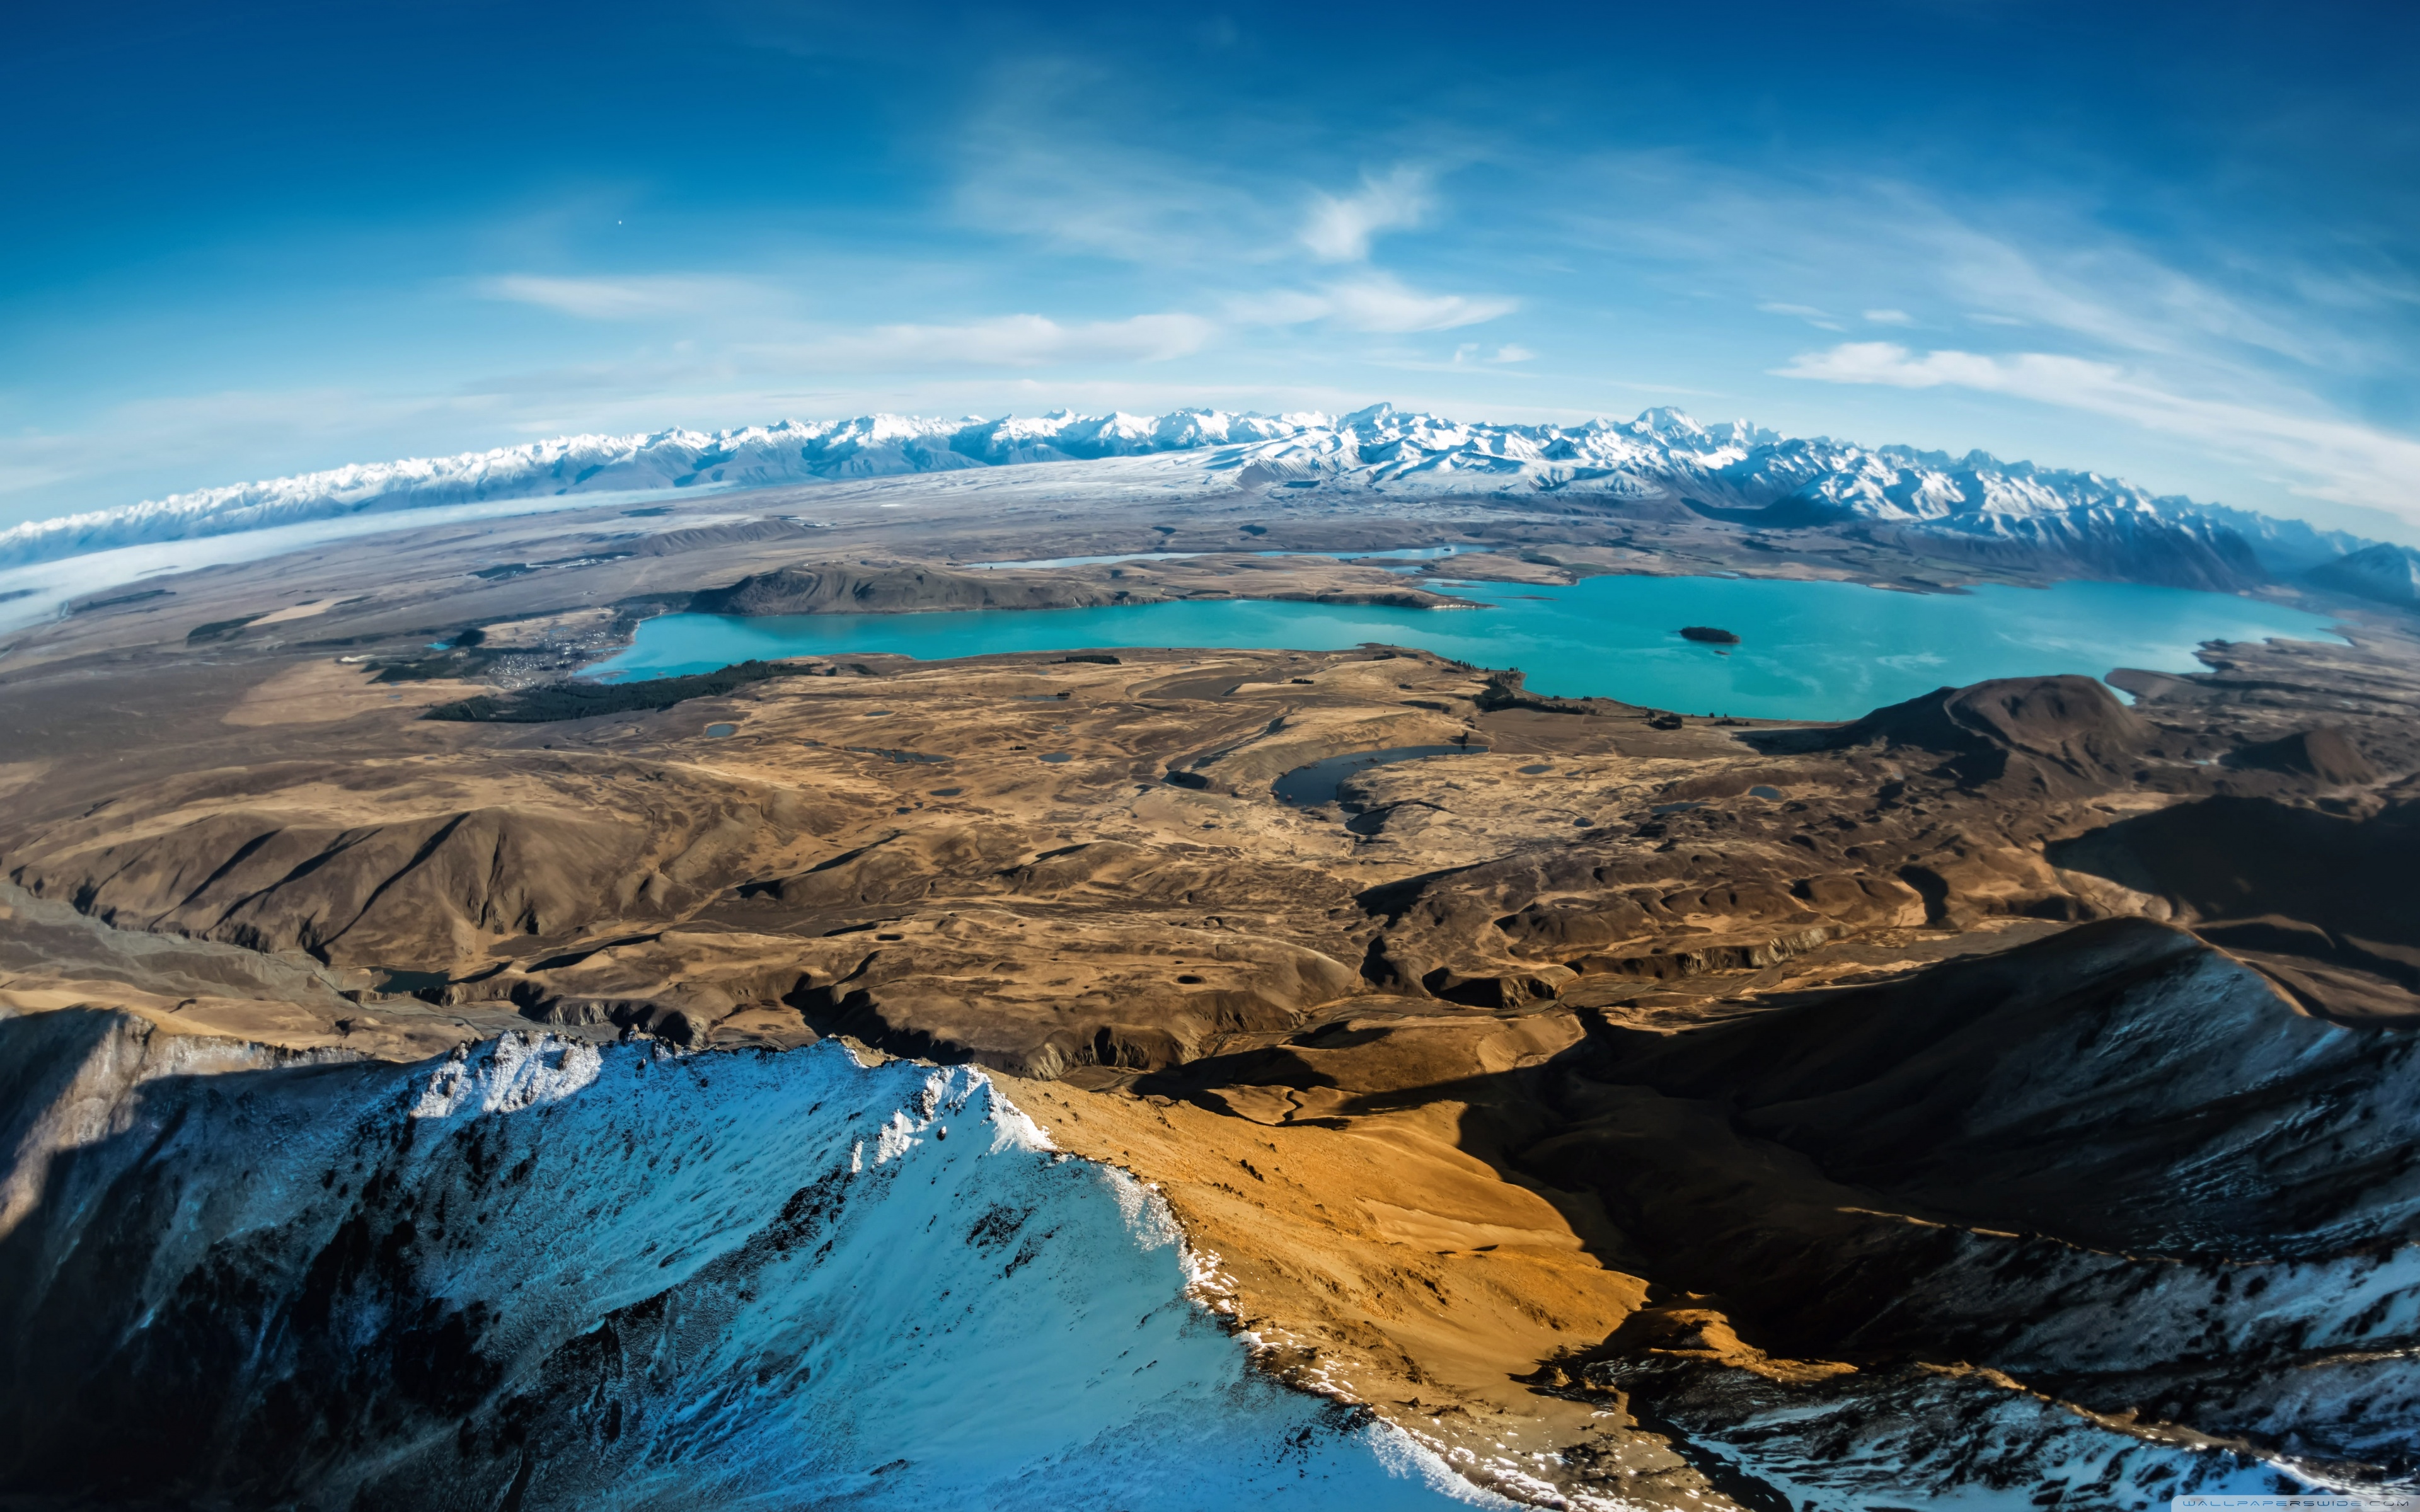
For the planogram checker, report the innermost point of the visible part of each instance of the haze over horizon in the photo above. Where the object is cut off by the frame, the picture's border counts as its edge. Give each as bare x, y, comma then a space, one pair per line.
273, 238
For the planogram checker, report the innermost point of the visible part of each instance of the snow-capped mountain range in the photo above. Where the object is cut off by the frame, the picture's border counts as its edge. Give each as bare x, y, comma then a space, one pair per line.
1734, 471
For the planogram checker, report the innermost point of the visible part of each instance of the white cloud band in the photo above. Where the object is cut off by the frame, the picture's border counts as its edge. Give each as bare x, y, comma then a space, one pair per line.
2330, 458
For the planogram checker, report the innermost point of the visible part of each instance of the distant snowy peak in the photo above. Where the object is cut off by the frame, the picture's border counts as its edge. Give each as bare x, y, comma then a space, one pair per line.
1731, 471
2389, 573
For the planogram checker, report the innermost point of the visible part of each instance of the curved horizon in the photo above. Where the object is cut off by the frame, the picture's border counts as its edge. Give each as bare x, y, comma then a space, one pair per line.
866, 446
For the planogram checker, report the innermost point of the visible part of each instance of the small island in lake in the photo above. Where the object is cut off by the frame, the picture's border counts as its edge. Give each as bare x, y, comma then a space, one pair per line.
1709, 635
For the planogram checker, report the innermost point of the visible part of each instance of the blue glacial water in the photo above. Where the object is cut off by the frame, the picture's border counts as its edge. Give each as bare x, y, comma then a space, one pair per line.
1809, 651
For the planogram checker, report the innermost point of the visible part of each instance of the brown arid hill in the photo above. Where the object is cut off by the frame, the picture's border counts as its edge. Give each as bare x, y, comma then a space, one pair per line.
2051, 733
1642, 1116
889, 586
877, 587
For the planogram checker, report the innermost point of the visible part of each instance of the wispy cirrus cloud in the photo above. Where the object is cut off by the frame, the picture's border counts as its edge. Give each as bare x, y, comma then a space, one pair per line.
1051, 156
638, 297
1812, 315
1340, 227
2234, 375
1384, 304
1044, 155
2105, 290
1012, 340
2316, 455
1019, 340
1375, 303
1816, 245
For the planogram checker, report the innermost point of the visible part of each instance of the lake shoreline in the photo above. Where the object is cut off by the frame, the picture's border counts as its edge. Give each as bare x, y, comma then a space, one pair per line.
1813, 650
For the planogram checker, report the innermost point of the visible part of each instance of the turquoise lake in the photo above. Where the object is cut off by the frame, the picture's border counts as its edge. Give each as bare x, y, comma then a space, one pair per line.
1809, 651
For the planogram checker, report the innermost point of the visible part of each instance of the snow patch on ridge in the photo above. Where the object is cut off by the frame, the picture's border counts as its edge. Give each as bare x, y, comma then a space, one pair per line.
614, 1278
507, 1075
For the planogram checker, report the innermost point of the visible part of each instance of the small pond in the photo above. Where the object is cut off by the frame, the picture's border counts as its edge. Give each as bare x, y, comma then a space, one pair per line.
1308, 787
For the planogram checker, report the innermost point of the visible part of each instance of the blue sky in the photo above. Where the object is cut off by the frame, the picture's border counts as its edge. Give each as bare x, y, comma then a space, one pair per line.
2181, 244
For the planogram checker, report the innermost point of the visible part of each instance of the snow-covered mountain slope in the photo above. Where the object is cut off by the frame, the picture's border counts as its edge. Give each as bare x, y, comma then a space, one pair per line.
2390, 574
1735, 472
2285, 547
546, 1274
